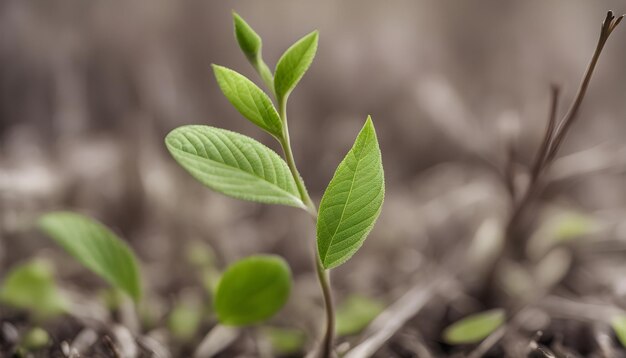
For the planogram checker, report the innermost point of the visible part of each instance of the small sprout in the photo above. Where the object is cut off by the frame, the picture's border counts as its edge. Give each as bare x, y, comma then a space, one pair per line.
31, 286
352, 201
184, 320
474, 328
252, 290
35, 339
200, 254
560, 228
284, 341
96, 247
619, 326
356, 313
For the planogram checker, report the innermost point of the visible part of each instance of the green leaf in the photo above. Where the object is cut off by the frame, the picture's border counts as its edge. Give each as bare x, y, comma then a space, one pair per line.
249, 100
31, 286
293, 64
96, 247
619, 326
234, 165
352, 201
355, 313
249, 41
252, 290
474, 328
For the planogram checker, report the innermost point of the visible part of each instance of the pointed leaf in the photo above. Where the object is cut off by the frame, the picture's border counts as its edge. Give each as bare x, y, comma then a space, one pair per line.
252, 290
352, 201
31, 286
249, 100
234, 165
96, 247
249, 41
474, 328
293, 64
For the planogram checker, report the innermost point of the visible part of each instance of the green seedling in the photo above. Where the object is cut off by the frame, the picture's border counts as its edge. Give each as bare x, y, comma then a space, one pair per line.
31, 286
474, 328
243, 168
97, 248
252, 290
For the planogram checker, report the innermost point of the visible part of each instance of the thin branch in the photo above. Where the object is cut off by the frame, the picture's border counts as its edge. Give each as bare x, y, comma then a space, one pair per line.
542, 153
609, 24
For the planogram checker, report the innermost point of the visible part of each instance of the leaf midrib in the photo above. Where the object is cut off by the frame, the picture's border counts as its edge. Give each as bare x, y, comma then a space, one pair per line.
254, 175
345, 205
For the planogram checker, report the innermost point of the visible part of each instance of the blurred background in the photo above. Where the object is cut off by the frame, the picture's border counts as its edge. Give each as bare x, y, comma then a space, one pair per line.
88, 91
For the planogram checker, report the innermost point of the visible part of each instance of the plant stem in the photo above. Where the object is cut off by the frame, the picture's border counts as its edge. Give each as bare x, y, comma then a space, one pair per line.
322, 274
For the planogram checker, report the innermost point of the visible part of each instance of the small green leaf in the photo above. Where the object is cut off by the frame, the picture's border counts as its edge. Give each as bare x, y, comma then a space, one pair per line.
474, 328
619, 326
234, 165
352, 201
249, 41
356, 313
249, 100
31, 286
252, 290
96, 247
293, 64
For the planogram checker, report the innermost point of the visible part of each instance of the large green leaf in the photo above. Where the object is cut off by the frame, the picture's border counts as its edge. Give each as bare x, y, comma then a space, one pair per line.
252, 290
96, 247
474, 328
293, 64
234, 165
31, 286
249, 100
352, 201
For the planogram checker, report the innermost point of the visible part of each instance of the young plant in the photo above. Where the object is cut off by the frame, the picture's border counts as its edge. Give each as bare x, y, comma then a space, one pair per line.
241, 167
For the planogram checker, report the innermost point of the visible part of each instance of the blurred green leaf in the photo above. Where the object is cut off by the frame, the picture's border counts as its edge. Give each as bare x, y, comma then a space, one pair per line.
619, 326
234, 165
352, 201
184, 320
559, 228
293, 64
35, 339
96, 247
31, 286
355, 313
474, 328
200, 254
285, 341
252, 290
249, 100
